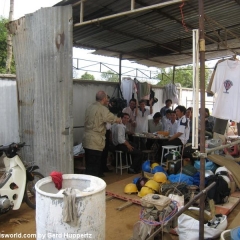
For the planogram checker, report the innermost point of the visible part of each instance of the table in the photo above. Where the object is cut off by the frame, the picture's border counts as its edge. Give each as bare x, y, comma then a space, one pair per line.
151, 136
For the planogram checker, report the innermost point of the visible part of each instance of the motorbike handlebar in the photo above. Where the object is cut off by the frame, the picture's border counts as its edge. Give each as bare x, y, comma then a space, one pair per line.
12, 146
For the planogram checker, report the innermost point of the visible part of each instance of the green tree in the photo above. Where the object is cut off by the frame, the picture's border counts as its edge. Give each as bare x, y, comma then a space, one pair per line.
87, 76
3, 47
183, 75
110, 76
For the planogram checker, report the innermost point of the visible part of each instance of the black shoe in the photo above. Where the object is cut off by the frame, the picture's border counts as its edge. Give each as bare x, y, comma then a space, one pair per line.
131, 171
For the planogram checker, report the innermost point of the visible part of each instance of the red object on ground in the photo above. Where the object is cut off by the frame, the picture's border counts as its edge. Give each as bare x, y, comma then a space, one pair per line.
57, 179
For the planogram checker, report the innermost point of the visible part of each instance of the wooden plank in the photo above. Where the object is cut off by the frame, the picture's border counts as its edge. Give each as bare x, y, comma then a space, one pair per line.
227, 207
109, 198
126, 204
236, 222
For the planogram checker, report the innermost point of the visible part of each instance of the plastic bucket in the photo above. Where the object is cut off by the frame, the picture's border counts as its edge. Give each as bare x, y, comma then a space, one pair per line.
226, 235
91, 208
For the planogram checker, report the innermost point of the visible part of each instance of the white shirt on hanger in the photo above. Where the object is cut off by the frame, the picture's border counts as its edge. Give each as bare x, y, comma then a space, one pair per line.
226, 86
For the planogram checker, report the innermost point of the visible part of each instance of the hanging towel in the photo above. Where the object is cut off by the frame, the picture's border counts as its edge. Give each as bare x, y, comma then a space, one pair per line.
69, 206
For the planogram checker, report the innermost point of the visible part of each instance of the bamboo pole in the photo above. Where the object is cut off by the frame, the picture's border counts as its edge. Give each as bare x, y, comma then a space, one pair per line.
9, 40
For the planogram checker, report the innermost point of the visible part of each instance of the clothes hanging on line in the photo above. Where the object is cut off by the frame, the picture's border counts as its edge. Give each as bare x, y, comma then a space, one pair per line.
226, 87
170, 91
143, 90
128, 88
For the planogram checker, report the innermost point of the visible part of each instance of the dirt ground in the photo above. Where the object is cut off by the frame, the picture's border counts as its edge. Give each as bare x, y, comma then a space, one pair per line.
119, 224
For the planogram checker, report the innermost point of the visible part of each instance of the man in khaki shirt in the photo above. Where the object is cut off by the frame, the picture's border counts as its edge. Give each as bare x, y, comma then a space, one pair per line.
96, 117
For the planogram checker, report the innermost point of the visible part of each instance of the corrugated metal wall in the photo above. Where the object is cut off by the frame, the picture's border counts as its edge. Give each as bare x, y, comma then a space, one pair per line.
8, 111
42, 45
84, 94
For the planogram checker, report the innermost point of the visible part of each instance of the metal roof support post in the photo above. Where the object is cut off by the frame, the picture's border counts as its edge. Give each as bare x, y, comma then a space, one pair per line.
81, 11
173, 78
202, 114
132, 4
120, 68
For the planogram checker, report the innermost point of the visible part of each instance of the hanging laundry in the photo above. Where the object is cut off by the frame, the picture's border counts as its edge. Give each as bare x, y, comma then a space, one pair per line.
170, 91
128, 88
143, 90
226, 87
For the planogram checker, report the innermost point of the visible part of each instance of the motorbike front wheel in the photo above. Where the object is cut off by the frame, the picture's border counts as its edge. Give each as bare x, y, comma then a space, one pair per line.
30, 192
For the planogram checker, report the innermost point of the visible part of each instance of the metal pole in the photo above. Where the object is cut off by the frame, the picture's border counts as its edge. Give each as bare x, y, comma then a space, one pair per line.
173, 74
222, 146
120, 69
202, 114
132, 4
97, 20
81, 11
200, 194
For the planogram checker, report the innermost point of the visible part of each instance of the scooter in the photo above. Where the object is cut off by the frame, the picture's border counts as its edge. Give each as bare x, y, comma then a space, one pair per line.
17, 182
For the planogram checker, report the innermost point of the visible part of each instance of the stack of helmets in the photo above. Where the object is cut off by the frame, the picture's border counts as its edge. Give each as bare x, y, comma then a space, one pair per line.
145, 191
159, 169
160, 177
153, 185
150, 186
225, 174
146, 166
130, 188
141, 183
153, 165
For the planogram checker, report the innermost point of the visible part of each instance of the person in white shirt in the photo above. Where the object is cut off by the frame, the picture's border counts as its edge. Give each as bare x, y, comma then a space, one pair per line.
166, 118
172, 125
142, 121
119, 140
131, 125
182, 135
142, 116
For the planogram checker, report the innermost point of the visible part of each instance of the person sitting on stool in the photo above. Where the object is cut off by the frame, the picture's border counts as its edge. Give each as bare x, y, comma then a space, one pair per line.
181, 137
119, 140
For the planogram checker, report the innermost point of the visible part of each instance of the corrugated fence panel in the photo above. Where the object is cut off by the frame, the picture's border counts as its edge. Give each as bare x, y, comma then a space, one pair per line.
42, 46
8, 111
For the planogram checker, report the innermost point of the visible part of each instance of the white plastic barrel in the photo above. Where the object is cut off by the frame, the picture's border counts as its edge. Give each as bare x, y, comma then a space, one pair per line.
91, 208
226, 235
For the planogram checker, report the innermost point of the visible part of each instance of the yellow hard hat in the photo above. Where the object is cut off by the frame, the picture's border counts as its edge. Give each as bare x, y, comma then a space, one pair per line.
130, 188
154, 165
160, 177
144, 191
153, 185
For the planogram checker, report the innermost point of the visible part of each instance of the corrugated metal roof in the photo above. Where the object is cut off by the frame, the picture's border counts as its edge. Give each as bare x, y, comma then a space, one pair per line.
156, 37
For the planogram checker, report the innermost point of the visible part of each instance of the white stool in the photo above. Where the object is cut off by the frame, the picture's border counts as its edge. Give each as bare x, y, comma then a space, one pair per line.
119, 164
168, 148
180, 149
